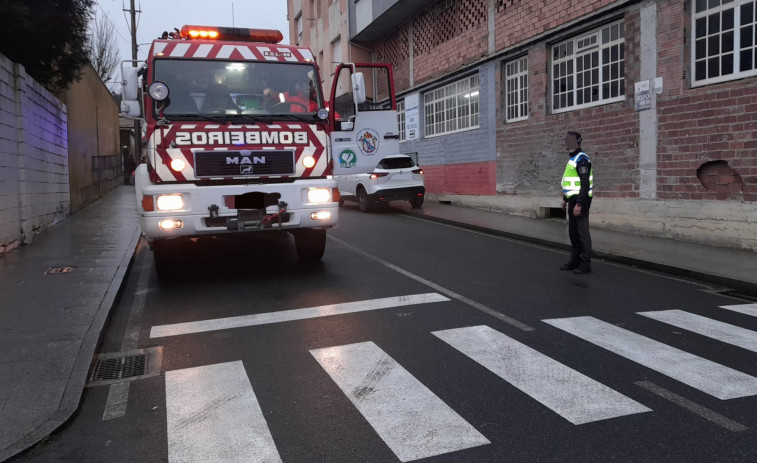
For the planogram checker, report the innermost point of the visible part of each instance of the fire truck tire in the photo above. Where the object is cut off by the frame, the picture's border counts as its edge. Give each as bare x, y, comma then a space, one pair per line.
310, 244
364, 202
164, 253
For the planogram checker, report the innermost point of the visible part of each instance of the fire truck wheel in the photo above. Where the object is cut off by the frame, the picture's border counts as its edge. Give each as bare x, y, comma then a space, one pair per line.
164, 253
363, 201
310, 244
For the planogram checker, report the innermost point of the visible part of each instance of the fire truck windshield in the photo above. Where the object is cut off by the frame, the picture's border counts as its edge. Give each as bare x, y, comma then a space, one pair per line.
202, 88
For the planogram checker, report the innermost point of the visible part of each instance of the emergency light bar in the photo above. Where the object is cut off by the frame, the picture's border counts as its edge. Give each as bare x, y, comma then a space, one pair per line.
234, 34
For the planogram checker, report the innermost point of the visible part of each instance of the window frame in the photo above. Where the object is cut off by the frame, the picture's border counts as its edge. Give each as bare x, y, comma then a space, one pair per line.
436, 106
579, 47
736, 46
401, 120
521, 63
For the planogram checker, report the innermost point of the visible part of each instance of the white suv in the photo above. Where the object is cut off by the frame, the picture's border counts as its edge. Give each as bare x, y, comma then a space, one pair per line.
395, 177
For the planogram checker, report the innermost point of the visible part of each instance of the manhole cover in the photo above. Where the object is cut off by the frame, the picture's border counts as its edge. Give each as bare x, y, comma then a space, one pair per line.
53, 270
117, 367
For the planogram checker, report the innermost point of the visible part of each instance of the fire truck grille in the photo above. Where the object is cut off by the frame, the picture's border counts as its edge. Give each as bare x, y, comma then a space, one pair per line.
244, 163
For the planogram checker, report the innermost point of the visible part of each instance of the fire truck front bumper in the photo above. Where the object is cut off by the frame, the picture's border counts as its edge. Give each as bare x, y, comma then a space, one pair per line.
176, 210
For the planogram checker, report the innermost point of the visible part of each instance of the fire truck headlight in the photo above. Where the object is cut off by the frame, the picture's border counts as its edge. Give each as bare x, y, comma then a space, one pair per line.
170, 203
323, 114
177, 165
158, 91
319, 195
170, 224
308, 162
320, 215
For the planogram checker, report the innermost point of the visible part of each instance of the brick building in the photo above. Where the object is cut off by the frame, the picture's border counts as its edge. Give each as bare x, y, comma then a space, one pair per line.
663, 91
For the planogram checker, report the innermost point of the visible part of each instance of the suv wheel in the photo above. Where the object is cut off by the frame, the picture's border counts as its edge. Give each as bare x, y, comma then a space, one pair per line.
363, 201
417, 202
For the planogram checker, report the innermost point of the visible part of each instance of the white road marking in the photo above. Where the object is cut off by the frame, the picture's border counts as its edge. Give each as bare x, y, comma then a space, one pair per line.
476, 305
118, 394
729, 334
746, 309
707, 376
693, 407
291, 315
572, 395
410, 419
213, 415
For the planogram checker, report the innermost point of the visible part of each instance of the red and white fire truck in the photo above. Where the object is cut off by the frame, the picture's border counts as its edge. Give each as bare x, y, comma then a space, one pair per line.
239, 137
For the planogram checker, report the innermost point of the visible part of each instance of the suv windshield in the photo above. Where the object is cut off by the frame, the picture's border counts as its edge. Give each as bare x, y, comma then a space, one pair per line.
204, 88
396, 163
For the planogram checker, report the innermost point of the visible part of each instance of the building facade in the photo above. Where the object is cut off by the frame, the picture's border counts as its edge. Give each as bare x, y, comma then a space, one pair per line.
664, 93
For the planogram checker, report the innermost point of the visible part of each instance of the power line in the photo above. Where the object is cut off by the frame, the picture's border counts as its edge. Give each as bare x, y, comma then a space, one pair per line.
107, 18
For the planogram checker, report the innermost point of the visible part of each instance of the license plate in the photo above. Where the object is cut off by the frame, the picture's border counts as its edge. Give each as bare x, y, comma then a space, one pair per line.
243, 163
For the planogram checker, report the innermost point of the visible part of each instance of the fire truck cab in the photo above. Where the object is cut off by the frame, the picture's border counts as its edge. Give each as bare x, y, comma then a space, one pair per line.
238, 138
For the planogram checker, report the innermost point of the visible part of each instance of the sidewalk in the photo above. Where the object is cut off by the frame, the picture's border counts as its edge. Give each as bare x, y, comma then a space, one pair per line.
50, 324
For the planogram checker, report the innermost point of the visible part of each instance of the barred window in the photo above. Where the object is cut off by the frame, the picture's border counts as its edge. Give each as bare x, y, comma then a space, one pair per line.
589, 70
516, 90
451, 108
401, 119
723, 40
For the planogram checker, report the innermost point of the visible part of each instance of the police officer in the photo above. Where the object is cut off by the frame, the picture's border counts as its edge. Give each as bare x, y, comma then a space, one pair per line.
577, 187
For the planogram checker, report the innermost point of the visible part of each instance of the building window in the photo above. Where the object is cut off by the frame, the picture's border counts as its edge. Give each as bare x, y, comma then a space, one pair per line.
589, 70
723, 40
299, 29
516, 90
451, 108
401, 119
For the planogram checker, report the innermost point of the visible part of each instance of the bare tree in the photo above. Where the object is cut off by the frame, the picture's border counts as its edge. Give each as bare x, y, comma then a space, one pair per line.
103, 48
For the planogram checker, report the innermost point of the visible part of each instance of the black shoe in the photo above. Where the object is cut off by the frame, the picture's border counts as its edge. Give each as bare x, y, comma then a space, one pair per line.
569, 266
582, 269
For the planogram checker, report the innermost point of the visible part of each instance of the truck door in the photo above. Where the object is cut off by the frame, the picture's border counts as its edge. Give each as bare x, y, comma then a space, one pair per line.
363, 114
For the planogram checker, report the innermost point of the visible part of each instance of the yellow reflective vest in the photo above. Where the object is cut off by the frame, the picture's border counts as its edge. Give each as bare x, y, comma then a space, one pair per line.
571, 182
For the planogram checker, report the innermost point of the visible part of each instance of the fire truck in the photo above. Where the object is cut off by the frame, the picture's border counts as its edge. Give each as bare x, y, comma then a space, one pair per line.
240, 137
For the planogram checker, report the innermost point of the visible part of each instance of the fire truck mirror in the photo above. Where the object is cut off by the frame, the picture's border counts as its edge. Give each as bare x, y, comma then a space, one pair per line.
358, 87
130, 83
131, 109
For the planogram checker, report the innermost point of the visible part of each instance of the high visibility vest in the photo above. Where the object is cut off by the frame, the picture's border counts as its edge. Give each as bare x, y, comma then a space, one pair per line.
571, 182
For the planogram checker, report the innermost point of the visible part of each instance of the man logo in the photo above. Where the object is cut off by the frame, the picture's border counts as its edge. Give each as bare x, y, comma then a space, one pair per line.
245, 169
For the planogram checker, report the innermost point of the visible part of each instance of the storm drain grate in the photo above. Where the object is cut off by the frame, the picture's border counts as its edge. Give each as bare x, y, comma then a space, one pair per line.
738, 295
120, 367
53, 270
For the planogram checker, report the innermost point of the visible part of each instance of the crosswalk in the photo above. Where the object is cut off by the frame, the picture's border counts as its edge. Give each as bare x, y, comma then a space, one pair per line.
213, 413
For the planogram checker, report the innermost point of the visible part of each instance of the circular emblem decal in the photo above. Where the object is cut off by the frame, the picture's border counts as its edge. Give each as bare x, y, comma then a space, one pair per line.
347, 159
368, 141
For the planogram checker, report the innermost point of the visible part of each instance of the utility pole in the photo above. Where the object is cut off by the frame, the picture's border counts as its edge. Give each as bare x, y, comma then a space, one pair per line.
137, 125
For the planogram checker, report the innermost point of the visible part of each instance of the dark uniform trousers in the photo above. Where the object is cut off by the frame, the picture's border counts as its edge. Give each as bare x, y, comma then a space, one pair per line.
578, 230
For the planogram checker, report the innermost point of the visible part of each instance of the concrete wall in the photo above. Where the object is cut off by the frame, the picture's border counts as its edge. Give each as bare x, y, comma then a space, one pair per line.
34, 188
95, 159
57, 154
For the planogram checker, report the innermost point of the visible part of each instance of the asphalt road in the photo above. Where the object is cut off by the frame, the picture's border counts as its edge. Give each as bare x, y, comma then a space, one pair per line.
415, 341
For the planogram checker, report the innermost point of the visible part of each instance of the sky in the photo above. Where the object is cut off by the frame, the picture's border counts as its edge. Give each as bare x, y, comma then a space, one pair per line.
165, 15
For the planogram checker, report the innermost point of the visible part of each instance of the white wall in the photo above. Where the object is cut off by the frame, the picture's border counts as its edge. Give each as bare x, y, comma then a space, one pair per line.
34, 179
